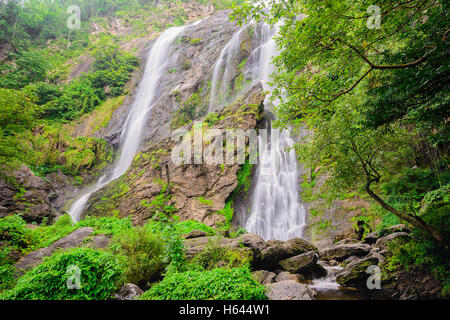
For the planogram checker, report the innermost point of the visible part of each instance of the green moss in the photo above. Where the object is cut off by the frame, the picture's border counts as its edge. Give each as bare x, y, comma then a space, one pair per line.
207, 202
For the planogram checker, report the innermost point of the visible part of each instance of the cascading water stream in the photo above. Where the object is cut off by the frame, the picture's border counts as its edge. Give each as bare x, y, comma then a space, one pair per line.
222, 74
142, 104
275, 211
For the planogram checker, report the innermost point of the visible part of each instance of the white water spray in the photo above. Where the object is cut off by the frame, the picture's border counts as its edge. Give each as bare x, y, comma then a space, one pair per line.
142, 104
223, 72
275, 211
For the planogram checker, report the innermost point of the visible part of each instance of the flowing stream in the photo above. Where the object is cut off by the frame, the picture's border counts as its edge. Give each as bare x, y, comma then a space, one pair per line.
142, 104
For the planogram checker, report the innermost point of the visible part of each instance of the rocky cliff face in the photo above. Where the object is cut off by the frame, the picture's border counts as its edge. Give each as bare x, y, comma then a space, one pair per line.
192, 191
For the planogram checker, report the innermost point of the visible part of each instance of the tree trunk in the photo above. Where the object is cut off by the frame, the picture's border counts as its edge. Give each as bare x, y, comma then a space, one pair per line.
415, 221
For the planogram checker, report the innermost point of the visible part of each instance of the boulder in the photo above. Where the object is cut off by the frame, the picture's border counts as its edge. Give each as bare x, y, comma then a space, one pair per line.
383, 241
129, 291
299, 263
286, 276
100, 241
29, 195
250, 240
195, 234
70, 241
355, 273
343, 251
279, 250
288, 290
371, 238
305, 265
264, 276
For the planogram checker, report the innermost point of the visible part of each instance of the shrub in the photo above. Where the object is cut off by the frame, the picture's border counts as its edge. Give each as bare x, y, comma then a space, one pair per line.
218, 284
100, 276
14, 230
144, 252
184, 227
214, 256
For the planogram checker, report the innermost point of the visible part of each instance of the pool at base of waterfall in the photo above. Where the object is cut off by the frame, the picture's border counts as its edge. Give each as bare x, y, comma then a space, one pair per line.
328, 289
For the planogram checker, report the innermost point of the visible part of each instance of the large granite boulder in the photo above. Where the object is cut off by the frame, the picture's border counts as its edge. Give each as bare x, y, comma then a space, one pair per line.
343, 251
288, 290
355, 273
280, 250
305, 265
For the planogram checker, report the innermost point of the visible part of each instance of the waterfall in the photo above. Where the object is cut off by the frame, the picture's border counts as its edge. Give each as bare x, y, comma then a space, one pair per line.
131, 135
275, 211
223, 72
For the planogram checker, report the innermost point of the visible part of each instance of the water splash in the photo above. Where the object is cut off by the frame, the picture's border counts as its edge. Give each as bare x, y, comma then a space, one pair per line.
142, 104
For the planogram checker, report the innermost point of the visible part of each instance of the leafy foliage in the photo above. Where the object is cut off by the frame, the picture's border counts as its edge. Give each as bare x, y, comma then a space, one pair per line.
144, 252
219, 284
100, 276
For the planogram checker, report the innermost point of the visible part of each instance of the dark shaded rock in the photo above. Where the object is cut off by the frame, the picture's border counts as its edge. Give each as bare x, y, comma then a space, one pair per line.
371, 238
279, 250
72, 240
342, 252
29, 195
195, 234
383, 241
264, 276
129, 291
288, 290
412, 284
354, 274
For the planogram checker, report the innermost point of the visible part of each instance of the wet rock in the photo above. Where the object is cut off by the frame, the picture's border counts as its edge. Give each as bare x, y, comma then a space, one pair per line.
129, 291
70, 241
279, 250
288, 290
355, 273
333, 263
195, 234
383, 241
342, 252
264, 276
